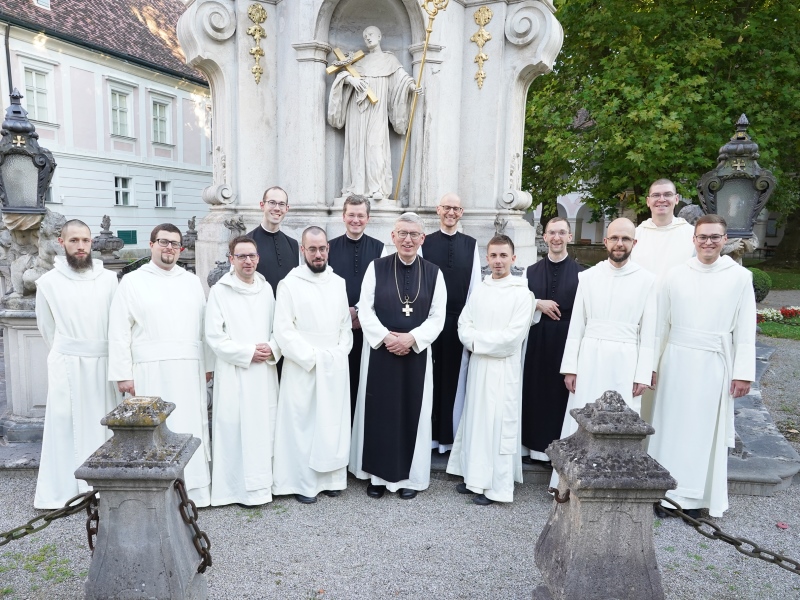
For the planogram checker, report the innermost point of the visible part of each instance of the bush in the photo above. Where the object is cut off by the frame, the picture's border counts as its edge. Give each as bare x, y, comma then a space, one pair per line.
761, 283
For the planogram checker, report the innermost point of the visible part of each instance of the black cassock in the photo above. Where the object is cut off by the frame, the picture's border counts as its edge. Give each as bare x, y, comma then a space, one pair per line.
544, 395
395, 384
277, 255
455, 257
349, 259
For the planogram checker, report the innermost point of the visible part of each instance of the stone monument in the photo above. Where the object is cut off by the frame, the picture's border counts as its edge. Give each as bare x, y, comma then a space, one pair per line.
286, 75
109, 245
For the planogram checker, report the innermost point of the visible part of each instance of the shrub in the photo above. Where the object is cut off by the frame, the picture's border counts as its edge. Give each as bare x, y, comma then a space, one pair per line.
761, 283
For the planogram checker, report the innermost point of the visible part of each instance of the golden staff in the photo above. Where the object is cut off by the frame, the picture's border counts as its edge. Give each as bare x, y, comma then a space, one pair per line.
432, 7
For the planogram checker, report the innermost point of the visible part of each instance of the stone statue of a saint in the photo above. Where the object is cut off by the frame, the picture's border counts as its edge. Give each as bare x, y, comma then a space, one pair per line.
367, 165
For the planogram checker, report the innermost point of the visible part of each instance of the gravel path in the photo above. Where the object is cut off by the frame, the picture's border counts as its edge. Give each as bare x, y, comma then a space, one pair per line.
439, 545
780, 298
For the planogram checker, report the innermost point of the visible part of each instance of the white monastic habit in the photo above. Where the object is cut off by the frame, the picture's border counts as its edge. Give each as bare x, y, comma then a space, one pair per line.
374, 334
239, 316
156, 338
706, 327
313, 329
611, 339
659, 249
72, 315
493, 326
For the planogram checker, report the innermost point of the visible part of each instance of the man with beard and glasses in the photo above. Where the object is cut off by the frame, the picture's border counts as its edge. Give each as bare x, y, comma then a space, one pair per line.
72, 304
611, 339
313, 330
157, 347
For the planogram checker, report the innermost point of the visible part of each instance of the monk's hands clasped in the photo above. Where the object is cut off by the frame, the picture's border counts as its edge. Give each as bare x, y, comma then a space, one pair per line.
549, 308
739, 388
354, 322
126, 387
263, 352
399, 343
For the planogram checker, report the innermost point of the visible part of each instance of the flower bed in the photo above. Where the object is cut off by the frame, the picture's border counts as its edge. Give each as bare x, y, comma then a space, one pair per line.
788, 315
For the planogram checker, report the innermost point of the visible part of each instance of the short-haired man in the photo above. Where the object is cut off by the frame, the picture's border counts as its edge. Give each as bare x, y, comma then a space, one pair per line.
708, 359
157, 348
238, 327
312, 327
72, 304
350, 255
401, 309
456, 255
492, 326
554, 283
278, 253
611, 339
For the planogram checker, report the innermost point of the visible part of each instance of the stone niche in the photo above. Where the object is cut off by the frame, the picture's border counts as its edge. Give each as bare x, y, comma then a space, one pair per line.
270, 100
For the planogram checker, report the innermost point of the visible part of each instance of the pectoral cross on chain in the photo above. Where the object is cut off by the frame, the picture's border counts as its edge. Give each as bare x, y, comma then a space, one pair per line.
407, 309
345, 61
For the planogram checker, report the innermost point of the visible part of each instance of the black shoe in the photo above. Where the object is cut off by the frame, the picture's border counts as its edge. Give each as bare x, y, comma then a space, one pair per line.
660, 512
305, 499
694, 513
461, 488
375, 491
527, 460
332, 493
249, 506
406, 494
482, 500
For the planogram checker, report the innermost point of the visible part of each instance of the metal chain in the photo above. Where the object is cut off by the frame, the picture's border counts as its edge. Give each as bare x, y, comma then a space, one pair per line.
188, 510
92, 521
717, 533
74, 505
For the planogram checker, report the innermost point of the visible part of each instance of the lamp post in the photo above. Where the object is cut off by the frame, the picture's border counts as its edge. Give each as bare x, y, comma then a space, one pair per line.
25, 169
738, 188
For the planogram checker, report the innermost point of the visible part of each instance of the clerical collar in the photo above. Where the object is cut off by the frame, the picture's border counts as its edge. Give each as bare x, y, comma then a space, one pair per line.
347, 235
267, 231
550, 258
405, 263
450, 234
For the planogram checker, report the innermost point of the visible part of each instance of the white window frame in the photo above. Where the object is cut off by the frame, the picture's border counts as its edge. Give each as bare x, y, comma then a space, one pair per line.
163, 193
127, 114
42, 66
33, 93
120, 190
160, 120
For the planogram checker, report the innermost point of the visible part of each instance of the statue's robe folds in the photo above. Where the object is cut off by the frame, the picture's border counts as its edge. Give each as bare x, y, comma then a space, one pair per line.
72, 315
493, 326
611, 339
706, 328
544, 395
456, 255
367, 163
312, 437
239, 316
349, 259
391, 443
659, 249
156, 338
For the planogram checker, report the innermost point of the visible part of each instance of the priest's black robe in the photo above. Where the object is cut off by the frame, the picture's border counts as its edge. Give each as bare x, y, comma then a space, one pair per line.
349, 259
277, 255
455, 257
544, 395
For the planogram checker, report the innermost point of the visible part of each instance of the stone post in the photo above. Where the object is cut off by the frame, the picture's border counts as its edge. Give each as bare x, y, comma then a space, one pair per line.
109, 245
599, 544
143, 548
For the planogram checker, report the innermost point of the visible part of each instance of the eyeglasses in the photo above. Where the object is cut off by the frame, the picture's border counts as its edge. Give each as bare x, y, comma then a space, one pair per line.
616, 240
164, 243
246, 257
456, 209
402, 234
320, 250
561, 233
716, 238
281, 205
665, 195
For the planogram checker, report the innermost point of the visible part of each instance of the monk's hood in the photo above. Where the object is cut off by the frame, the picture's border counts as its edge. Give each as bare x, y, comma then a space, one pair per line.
303, 272
230, 280
60, 265
721, 264
676, 222
509, 281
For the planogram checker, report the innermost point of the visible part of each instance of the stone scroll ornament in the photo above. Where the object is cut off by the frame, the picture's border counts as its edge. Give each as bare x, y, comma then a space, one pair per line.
482, 17
257, 15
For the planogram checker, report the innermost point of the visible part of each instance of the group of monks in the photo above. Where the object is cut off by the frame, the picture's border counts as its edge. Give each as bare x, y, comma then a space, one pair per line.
336, 355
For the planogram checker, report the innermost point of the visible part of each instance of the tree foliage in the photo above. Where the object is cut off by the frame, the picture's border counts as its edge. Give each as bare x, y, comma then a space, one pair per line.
663, 83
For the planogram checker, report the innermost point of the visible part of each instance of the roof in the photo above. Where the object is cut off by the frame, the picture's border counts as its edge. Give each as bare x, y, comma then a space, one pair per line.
142, 31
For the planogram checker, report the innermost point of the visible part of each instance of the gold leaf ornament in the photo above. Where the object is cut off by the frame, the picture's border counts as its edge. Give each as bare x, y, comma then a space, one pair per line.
257, 15
482, 17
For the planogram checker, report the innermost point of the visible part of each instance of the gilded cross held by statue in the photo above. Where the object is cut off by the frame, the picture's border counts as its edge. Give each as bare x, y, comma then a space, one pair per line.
407, 309
345, 61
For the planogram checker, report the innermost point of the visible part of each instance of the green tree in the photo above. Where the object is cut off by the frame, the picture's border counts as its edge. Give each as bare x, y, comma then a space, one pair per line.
645, 89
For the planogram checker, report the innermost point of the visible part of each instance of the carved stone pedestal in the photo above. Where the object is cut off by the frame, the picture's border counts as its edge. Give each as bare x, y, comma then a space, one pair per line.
25, 355
599, 544
143, 548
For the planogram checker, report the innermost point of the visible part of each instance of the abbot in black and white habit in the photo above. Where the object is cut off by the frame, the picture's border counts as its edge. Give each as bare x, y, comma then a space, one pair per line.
391, 441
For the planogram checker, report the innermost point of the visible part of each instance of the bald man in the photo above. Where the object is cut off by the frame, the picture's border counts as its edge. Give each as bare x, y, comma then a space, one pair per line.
611, 339
456, 255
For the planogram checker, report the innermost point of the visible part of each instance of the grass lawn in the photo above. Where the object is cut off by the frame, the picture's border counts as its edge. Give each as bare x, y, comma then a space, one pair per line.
784, 280
780, 330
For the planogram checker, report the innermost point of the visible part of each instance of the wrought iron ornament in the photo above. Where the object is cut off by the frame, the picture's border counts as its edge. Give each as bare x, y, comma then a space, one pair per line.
748, 185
